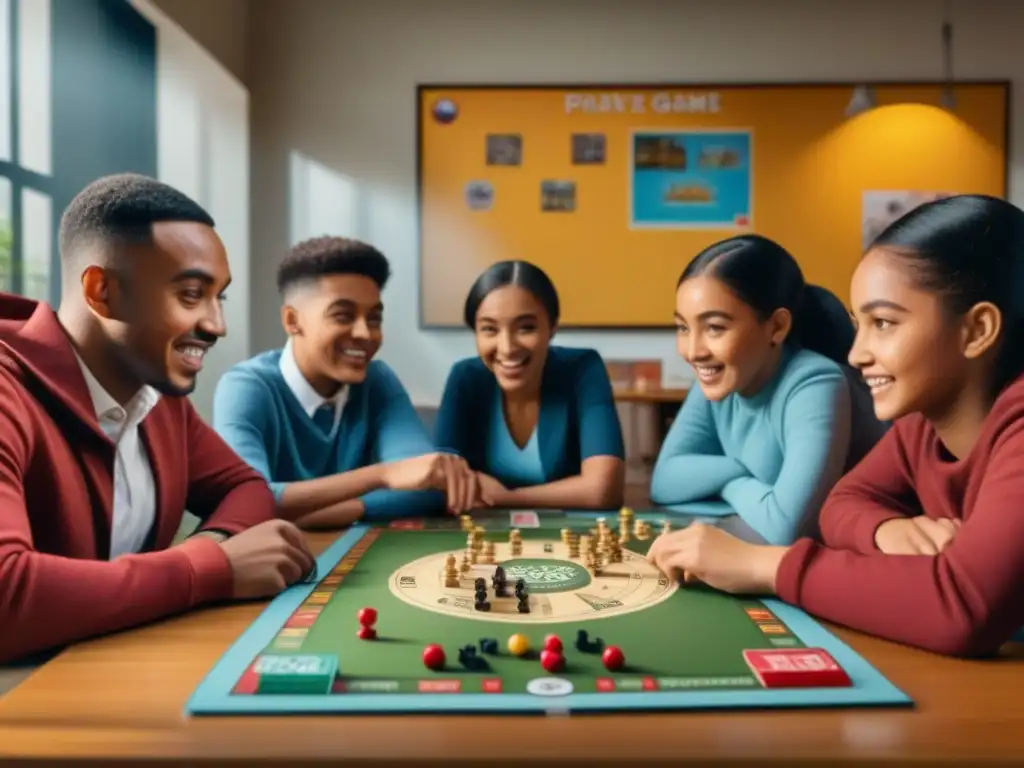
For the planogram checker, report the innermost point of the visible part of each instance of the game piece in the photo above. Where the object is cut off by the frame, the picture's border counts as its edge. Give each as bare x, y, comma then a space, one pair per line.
482, 605
464, 568
467, 522
613, 658
469, 659
518, 645
367, 633
489, 645
586, 645
524, 604
796, 668
433, 657
552, 661
553, 643
520, 587
480, 583
489, 552
549, 548
451, 573
367, 616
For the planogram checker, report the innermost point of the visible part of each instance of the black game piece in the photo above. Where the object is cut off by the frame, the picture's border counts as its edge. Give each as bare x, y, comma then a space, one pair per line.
549, 548
520, 584
482, 605
469, 659
585, 645
524, 604
480, 583
521, 590
499, 575
489, 645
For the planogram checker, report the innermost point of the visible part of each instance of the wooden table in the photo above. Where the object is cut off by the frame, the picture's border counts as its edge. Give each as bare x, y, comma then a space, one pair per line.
123, 697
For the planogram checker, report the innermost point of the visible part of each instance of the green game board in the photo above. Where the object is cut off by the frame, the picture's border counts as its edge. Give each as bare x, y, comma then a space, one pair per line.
683, 645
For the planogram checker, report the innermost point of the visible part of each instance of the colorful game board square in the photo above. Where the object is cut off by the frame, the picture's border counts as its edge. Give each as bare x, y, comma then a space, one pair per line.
796, 668
406, 525
650, 684
604, 684
759, 614
524, 519
772, 629
293, 632
309, 673
301, 619
491, 685
440, 686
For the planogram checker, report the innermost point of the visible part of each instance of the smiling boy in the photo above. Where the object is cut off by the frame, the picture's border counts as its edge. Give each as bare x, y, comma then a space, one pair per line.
331, 429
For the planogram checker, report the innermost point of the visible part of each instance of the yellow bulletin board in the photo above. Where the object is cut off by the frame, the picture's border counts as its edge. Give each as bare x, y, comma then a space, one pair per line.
612, 190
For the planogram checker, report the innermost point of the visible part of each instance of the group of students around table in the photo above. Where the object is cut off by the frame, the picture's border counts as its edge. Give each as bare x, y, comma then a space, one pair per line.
878, 452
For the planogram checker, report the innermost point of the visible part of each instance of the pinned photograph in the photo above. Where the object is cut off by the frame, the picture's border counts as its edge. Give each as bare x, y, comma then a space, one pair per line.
882, 207
445, 111
504, 149
479, 195
588, 148
558, 196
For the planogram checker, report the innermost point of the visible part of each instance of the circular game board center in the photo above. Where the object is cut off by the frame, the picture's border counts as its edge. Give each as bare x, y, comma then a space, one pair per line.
546, 576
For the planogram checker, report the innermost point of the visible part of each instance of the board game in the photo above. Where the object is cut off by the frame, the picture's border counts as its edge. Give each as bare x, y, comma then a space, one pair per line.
525, 612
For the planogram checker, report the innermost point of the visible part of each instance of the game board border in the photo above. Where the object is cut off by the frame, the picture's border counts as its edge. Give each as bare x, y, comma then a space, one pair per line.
213, 695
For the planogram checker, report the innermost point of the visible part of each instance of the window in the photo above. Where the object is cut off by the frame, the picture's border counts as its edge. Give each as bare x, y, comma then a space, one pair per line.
27, 224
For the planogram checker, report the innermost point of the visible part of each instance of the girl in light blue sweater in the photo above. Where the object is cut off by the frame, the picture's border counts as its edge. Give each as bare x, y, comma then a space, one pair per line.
778, 416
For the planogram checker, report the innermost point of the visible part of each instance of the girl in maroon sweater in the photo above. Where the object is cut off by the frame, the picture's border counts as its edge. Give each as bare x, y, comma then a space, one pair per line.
923, 541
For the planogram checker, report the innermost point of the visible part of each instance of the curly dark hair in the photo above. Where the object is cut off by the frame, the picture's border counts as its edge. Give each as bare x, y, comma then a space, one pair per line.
322, 256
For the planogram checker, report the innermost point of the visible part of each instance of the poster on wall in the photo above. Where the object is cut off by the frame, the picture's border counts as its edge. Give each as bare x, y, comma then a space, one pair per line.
880, 208
691, 179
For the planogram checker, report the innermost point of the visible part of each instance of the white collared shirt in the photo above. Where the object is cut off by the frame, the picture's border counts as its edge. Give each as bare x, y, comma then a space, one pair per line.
134, 485
310, 400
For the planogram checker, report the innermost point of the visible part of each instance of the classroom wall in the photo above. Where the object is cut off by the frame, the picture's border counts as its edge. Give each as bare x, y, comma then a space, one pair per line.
334, 85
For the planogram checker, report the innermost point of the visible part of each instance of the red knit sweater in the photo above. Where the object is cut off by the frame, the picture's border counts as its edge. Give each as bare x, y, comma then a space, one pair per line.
966, 601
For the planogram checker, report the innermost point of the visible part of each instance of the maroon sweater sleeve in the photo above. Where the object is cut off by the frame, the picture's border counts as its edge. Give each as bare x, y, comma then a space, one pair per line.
966, 601
879, 488
224, 492
48, 600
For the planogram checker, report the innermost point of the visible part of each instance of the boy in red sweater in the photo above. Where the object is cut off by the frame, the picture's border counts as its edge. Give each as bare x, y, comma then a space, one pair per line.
100, 449
923, 541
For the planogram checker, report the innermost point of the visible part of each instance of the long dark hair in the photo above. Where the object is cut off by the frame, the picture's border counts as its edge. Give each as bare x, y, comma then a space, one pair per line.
968, 249
766, 277
521, 273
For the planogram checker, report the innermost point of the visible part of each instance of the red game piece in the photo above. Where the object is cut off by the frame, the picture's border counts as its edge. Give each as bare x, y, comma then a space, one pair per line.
367, 633
433, 656
553, 643
367, 616
552, 661
796, 668
613, 658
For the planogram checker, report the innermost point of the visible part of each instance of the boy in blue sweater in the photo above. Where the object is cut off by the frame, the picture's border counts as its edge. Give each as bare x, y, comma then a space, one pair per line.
331, 429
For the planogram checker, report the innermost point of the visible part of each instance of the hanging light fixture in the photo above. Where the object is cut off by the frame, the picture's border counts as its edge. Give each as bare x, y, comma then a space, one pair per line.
862, 100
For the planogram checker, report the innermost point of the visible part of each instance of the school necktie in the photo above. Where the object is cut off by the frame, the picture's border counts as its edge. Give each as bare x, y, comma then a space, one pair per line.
323, 417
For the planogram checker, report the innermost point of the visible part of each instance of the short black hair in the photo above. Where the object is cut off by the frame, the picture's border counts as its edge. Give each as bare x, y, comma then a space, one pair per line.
124, 207
520, 273
323, 256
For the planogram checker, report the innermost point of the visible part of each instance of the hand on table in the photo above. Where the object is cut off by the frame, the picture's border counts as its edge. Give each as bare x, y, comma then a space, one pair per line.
720, 560
267, 558
492, 492
920, 535
436, 471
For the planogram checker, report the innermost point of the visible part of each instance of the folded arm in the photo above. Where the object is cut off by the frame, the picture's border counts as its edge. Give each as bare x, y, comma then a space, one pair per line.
965, 601
816, 439
48, 601
692, 465
878, 489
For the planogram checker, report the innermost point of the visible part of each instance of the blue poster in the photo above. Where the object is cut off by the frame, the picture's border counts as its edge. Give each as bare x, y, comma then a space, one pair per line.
691, 179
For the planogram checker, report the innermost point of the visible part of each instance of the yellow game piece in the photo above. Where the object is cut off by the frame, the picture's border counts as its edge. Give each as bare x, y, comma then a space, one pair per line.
518, 645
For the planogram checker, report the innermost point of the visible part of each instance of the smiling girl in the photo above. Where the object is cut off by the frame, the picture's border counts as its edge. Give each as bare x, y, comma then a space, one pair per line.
939, 304
537, 421
778, 416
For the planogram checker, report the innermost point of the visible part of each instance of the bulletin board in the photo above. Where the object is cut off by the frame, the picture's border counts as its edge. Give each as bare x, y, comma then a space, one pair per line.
612, 190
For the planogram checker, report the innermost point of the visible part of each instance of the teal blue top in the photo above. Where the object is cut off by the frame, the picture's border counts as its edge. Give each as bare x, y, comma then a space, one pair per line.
578, 419
773, 457
511, 465
261, 417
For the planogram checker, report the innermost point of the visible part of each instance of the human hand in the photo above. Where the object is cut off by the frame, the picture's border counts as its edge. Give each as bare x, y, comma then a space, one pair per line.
720, 560
492, 492
436, 471
267, 558
919, 535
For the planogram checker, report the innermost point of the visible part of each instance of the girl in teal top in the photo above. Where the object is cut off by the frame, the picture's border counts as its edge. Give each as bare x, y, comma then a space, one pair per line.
778, 416
536, 421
